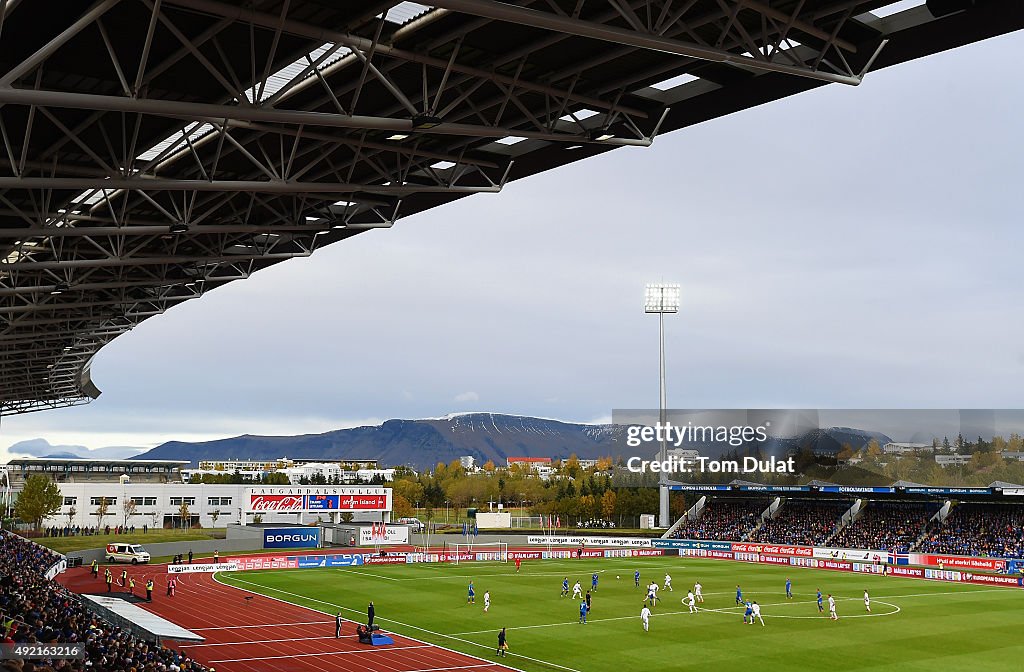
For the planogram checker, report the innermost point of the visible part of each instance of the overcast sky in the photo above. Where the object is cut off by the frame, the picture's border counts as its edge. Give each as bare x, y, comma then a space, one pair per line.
846, 247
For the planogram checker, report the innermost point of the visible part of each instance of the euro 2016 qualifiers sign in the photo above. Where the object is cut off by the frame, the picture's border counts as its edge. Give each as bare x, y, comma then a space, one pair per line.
287, 499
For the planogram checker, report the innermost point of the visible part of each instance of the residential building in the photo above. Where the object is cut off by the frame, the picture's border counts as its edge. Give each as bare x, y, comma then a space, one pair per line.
952, 460
898, 448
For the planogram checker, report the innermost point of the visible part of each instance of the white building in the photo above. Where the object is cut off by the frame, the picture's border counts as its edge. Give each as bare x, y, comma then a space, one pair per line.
295, 473
468, 462
684, 455
952, 460
897, 448
159, 505
1013, 455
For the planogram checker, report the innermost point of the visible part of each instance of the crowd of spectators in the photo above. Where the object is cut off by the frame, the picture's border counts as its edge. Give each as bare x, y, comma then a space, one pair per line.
38, 610
802, 522
726, 520
887, 526
79, 531
993, 530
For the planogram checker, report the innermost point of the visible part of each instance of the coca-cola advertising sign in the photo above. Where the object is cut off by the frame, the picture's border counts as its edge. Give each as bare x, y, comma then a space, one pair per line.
317, 499
292, 503
771, 549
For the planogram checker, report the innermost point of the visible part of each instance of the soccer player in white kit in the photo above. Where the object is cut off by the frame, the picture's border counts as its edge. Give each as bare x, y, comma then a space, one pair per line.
867, 600
757, 613
697, 588
832, 608
645, 617
487, 601
576, 590
668, 582
691, 601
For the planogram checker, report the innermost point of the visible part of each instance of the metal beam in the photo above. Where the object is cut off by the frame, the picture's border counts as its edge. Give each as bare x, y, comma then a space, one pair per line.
45, 51
355, 42
215, 114
256, 186
500, 11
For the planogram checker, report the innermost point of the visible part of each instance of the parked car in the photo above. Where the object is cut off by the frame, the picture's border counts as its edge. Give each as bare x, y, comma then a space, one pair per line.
415, 523
133, 553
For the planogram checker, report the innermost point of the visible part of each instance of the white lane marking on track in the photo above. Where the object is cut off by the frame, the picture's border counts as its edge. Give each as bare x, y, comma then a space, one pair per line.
325, 653
443, 648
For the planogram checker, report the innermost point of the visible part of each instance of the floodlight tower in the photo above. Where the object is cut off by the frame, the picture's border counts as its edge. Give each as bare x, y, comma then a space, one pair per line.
662, 298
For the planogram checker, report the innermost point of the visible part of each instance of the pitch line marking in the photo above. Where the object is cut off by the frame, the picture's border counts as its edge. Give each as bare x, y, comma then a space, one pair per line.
325, 653
443, 648
414, 627
817, 617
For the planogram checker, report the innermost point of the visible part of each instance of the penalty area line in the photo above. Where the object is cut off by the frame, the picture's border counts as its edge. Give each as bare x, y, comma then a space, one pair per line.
339, 606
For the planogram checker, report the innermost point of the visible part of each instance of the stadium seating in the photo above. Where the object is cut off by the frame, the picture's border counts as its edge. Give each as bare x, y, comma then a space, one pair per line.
802, 522
886, 526
38, 610
993, 530
722, 519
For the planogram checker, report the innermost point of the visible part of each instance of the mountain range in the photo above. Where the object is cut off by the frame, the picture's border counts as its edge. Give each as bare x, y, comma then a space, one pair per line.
421, 444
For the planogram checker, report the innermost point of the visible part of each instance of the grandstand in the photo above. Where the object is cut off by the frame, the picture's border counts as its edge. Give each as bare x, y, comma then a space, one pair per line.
975, 529
903, 518
41, 611
887, 526
723, 518
802, 522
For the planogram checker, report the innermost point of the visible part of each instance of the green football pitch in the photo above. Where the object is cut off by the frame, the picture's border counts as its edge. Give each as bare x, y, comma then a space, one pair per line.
913, 624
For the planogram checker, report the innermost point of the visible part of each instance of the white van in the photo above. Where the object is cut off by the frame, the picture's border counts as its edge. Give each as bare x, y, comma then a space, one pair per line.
133, 553
414, 523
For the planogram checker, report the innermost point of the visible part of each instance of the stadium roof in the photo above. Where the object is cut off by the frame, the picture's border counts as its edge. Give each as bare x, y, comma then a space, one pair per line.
88, 460
154, 151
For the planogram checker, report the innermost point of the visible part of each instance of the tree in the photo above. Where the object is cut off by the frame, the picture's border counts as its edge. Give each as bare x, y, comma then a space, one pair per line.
184, 514
346, 516
401, 506
257, 519
71, 514
102, 511
156, 518
874, 450
608, 504
214, 515
489, 466
128, 507
845, 452
39, 499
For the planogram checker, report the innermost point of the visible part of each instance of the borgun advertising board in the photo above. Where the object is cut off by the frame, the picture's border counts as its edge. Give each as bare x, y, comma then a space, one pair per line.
288, 499
291, 537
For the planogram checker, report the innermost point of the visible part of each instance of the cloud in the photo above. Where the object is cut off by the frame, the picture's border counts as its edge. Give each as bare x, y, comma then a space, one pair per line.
467, 396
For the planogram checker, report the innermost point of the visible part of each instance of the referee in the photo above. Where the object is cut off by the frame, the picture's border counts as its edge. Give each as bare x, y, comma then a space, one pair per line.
502, 643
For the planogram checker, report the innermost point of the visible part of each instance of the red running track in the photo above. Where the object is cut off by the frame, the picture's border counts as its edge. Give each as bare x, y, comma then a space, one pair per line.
263, 634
